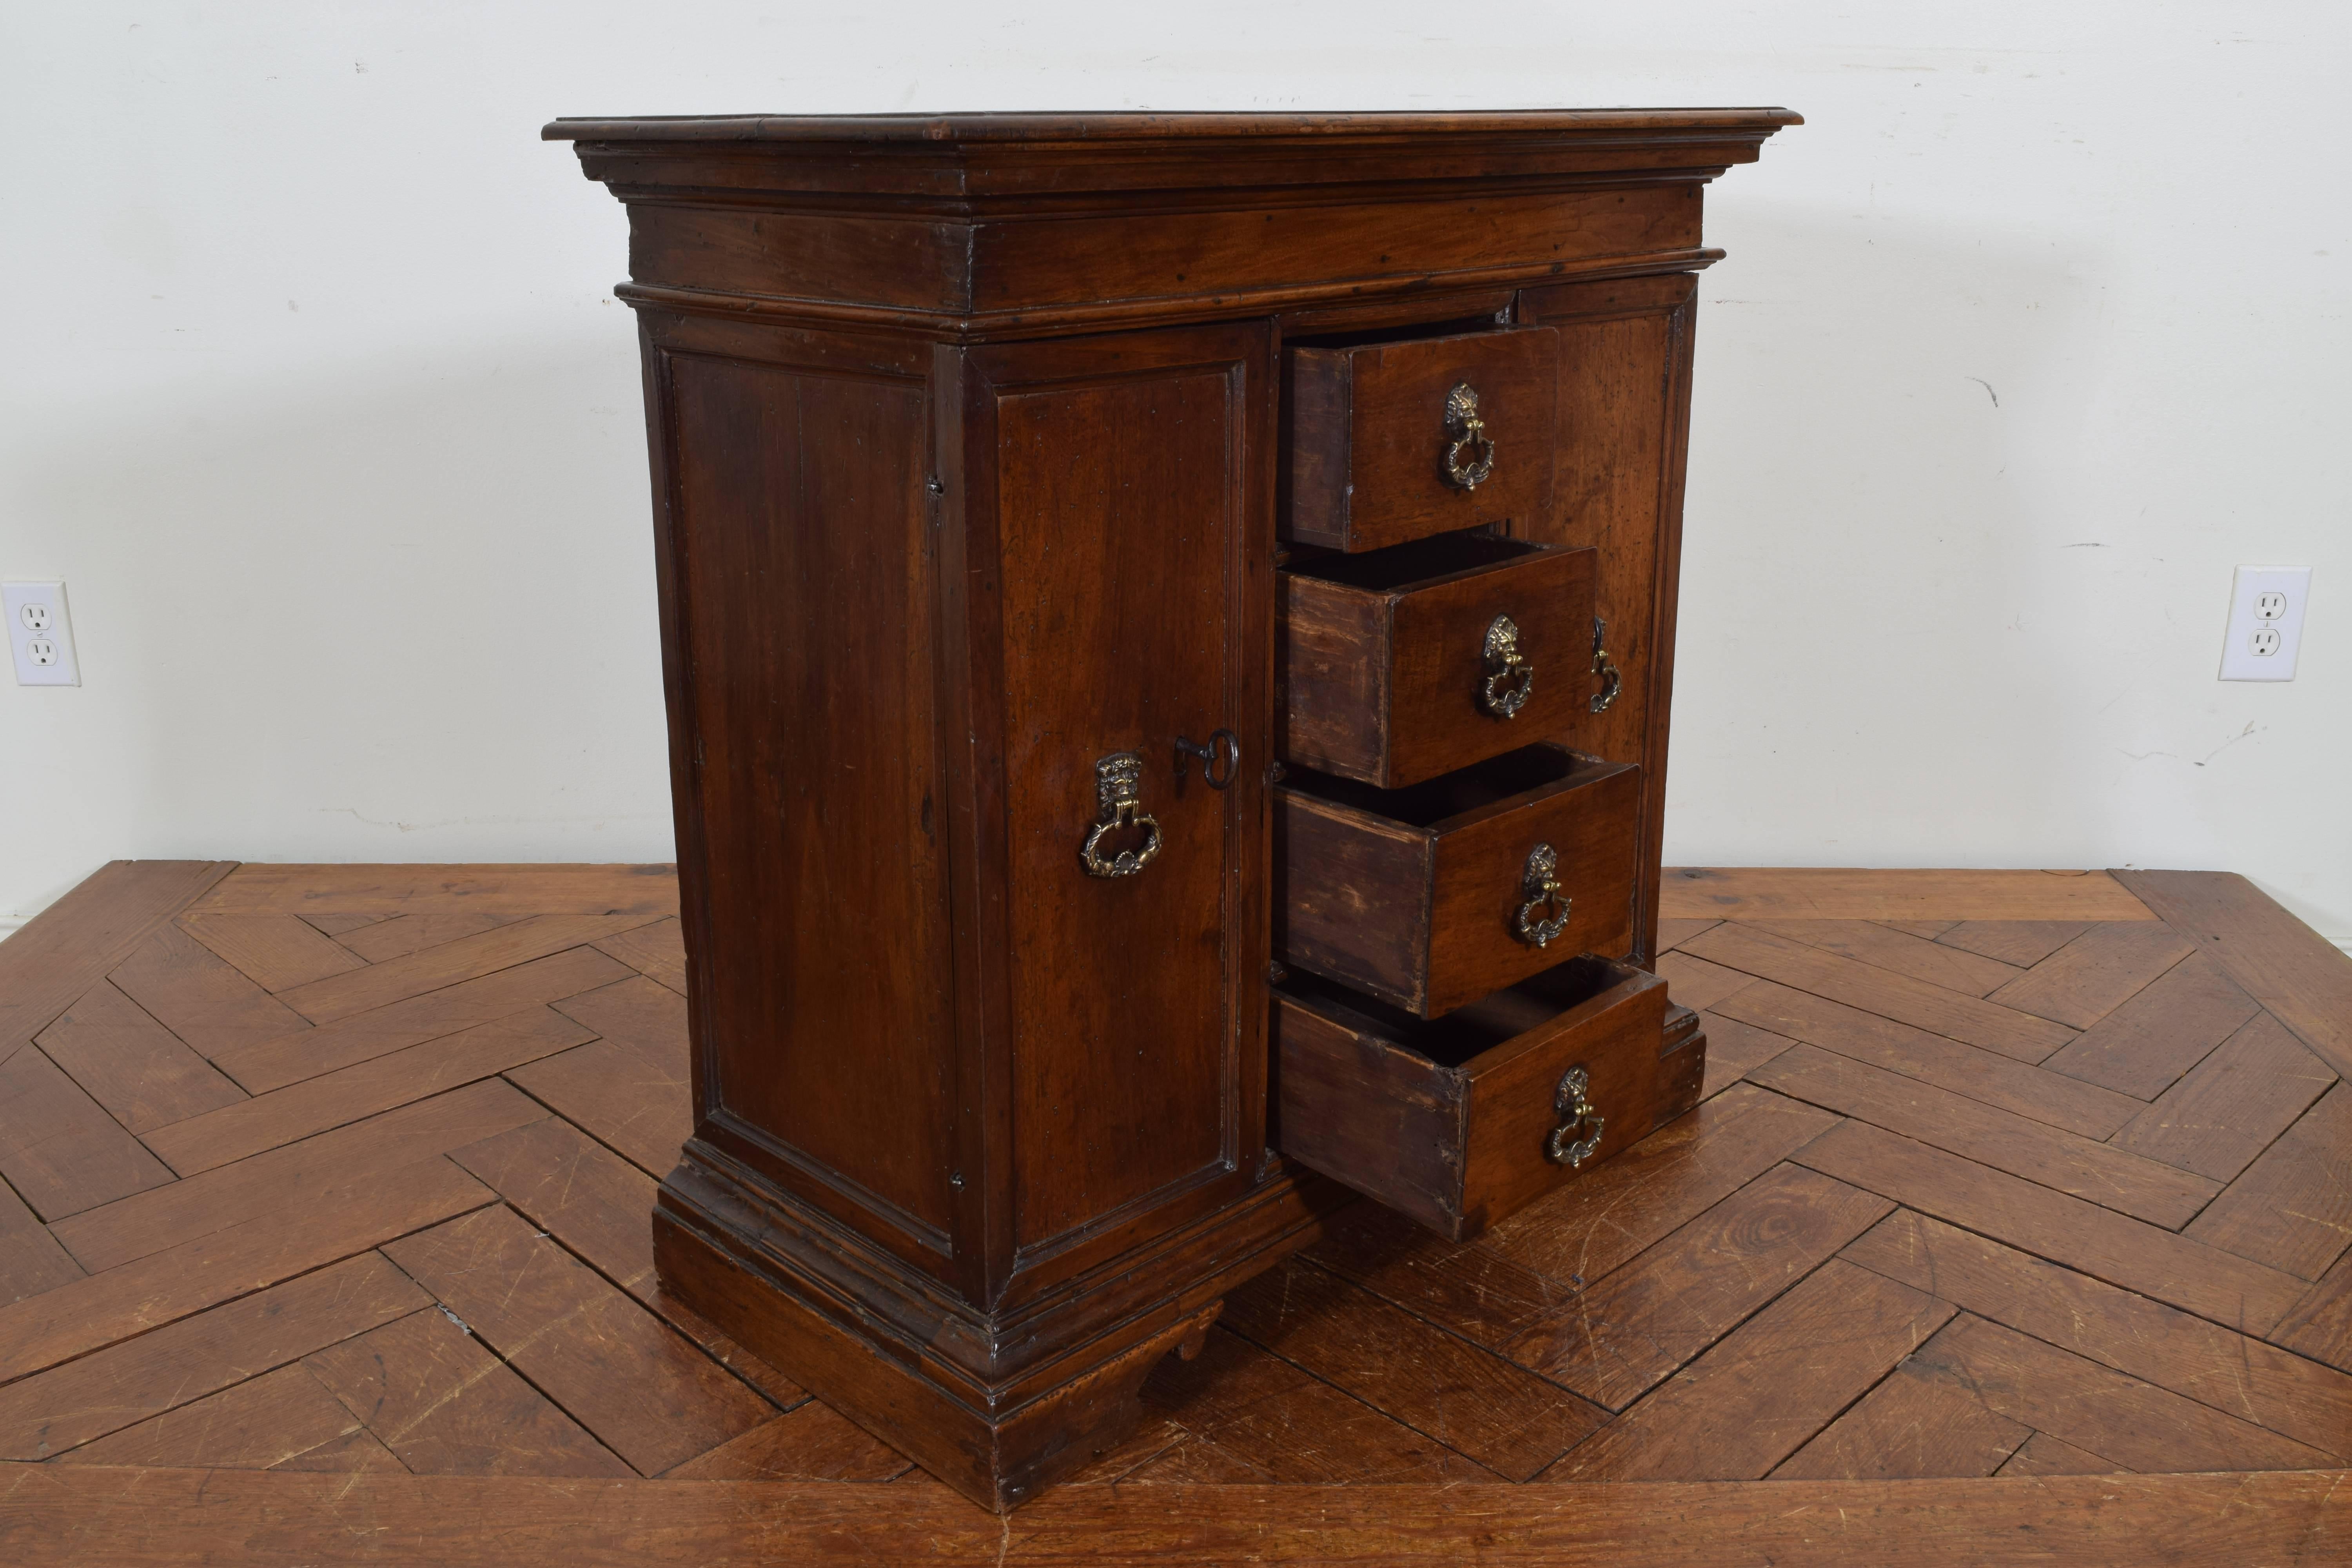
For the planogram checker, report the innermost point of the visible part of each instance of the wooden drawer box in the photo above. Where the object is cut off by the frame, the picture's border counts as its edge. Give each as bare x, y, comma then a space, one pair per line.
1430, 896
1405, 663
1369, 431
1462, 1122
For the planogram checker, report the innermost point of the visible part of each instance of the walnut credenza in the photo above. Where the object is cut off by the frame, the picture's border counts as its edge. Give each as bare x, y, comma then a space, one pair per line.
1168, 623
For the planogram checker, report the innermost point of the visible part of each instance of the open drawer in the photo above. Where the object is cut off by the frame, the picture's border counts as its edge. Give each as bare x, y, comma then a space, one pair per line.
1461, 1121
1400, 664
1435, 895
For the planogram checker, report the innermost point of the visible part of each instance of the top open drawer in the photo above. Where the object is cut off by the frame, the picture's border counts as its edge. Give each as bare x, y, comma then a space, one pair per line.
1390, 442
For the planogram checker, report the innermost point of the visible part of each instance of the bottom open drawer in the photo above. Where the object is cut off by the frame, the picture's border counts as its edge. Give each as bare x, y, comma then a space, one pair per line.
1461, 1121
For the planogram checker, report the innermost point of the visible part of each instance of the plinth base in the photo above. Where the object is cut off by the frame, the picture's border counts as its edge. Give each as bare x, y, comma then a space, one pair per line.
995, 1407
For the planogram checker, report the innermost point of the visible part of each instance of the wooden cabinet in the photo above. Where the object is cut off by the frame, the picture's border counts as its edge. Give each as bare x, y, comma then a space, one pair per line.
1167, 626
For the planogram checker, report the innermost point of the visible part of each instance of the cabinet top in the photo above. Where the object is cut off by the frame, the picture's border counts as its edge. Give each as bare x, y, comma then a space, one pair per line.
1133, 126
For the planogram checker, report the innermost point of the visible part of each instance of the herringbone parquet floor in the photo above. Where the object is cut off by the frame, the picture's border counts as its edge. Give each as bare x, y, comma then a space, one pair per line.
346, 1169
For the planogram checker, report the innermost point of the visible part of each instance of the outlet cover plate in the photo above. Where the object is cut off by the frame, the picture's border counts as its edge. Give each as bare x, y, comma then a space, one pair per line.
2265, 622
40, 635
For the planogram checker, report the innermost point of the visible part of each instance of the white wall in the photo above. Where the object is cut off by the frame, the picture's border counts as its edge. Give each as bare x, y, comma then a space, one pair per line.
315, 398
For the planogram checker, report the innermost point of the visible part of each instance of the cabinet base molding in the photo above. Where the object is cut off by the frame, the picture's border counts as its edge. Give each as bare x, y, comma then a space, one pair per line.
997, 1405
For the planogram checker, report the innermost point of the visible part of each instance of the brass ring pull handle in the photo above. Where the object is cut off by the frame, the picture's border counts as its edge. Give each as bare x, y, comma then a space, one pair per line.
1540, 882
1510, 677
1224, 744
1117, 805
1470, 456
1605, 668
1575, 1138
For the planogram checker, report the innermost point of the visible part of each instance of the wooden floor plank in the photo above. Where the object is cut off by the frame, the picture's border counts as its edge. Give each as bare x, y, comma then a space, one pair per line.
658, 951
1477, 1403
523, 889
1764, 1390
632, 1089
1867, 942
2299, 975
354, 1093
2156, 1343
2097, 973
1919, 1421
51, 1412
2233, 1292
2319, 1324
250, 1427
1811, 894
1491, 1290
809, 1443
181, 1282
128, 1519
275, 953
197, 995
264, 1065
2104, 1411
601, 1208
66, 949
59, 1148
2043, 1455
2231, 1106
1926, 931
381, 940
1672, 933
2111, 1177
450, 963
2293, 1207
1981, 1075
144, 1075
2021, 942
1617, 1339
303, 1172
446, 1406
1968, 1019
1698, 985
639, 1387
2146, 1043
1733, 1050
31, 1260
1235, 1413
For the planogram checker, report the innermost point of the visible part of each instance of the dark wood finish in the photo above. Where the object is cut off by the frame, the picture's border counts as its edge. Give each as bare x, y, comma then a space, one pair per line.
1448, 1122
1365, 436
971, 441
67, 948
1411, 895
1381, 659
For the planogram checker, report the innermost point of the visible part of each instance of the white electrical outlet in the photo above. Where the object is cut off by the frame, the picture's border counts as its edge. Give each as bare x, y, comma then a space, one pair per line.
2265, 622
40, 636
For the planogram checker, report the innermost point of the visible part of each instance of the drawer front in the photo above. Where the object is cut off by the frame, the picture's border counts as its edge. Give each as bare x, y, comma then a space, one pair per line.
1392, 686
1429, 917
1379, 448
1415, 1115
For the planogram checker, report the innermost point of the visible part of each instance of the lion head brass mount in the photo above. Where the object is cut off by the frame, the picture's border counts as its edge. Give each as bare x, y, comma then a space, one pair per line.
1540, 883
1574, 1141
1470, 455
1119, 805
1511, 678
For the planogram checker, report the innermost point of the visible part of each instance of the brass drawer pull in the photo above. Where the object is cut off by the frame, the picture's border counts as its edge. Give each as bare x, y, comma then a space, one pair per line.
1541, 884
1118, 804
1605, 668
1470, 457
1510, 677
1573, 1142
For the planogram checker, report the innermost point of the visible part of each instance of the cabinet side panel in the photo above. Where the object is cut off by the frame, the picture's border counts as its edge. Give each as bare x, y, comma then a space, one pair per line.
1120, 504
803, 572
1624, 411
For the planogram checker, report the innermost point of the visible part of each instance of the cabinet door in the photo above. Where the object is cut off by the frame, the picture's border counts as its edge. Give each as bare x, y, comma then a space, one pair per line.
1117, 596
